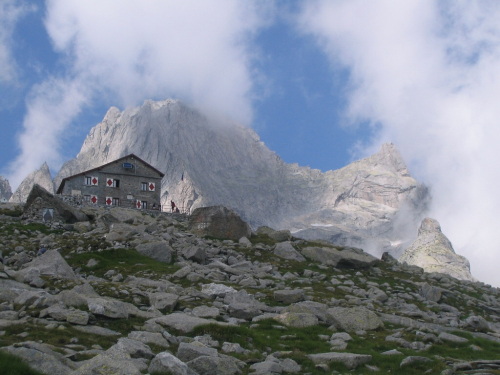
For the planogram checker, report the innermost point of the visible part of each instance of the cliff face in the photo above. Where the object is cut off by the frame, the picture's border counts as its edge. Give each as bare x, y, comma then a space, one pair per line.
5, 189
41, 177
434, 253
373, 202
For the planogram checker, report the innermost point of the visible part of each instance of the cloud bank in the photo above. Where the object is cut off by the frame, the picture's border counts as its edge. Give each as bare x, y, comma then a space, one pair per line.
125, 51
10, 13
426, 75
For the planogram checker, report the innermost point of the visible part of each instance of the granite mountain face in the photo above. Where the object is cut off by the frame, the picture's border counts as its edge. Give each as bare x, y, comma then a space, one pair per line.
373, 203
40, 176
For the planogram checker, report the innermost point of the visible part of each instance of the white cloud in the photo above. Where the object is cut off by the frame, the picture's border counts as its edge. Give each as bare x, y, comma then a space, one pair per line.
52, 106
125, 51
196, 50
427, 74
10, 13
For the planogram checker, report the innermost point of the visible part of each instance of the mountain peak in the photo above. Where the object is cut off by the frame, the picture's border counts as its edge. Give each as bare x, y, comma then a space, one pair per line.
226, 163
390, 155
433, 251
40, 176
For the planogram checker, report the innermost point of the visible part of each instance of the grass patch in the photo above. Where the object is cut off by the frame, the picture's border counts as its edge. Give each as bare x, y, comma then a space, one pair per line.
56, 337
269, 337
13, 213
125, 261
31, 227
262, 239
12, 365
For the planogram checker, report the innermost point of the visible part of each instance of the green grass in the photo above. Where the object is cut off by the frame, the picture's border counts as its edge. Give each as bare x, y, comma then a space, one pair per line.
12, 365
262, 239
56, 337
295, 342
13, 213
31, 227
125, 261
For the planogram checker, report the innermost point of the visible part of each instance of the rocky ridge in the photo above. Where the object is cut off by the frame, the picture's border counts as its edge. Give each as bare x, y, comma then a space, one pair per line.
40, 176
434, 252
129, 292
373, 203
5, 189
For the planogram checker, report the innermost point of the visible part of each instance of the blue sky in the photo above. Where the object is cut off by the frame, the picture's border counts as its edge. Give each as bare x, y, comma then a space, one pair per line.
297, 107
323, 82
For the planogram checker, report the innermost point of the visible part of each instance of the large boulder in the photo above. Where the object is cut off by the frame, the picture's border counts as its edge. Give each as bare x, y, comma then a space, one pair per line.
182, 322
297, 320
189, 351
288, 296
163, 301
121, 232
154, 338
219, 222
350, 360
310, 307
342, 258
42, 358
210, 365
51, 263
194, 253
112, 361
45, 200
159, 251
112, 308
354, 319
167, 363
285, 250
134, 348
429, 292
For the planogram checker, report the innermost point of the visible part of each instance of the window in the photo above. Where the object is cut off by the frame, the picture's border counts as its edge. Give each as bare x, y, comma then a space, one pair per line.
86, 198
111, 182
144, 205
116, 201
144, 186
91, 180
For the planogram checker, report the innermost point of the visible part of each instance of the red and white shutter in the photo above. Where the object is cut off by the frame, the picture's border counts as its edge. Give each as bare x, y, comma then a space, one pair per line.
93, 199
151, 186
138, 204
109, 182
109, 201
94, 180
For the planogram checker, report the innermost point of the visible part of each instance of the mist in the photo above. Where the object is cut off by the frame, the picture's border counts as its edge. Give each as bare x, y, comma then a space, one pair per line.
122, 52
425, 75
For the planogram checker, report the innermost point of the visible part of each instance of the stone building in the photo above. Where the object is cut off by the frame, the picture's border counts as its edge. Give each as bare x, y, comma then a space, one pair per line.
127, 182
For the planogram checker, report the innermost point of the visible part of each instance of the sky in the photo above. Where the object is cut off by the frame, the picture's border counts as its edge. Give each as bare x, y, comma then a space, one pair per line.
323, 83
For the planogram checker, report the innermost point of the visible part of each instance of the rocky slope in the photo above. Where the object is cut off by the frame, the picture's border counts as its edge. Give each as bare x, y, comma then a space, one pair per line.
40, 176
5, 190
373, 203
434, 252
131, 293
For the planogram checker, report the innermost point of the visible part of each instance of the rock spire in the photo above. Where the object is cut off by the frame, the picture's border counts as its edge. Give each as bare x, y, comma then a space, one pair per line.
434, 253
40, 176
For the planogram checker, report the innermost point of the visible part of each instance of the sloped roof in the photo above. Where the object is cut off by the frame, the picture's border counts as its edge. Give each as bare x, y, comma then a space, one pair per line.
61, 186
